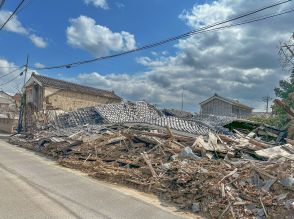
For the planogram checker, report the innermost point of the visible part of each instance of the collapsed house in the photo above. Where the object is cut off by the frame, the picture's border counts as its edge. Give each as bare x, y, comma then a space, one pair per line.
221, 106
44, 93
188, 162
127, 113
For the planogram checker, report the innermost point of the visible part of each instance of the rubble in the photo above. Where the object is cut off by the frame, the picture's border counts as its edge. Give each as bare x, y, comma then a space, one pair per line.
217, 174
123, 113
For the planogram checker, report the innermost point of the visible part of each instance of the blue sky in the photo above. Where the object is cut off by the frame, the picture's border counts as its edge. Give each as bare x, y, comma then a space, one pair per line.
239, 63
148, 20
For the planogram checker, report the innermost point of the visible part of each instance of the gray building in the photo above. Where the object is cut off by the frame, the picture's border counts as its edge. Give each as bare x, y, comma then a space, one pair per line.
221, 106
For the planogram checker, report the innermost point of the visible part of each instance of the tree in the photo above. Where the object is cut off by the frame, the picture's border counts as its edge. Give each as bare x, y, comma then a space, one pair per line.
285, 90
286, 87
286, 53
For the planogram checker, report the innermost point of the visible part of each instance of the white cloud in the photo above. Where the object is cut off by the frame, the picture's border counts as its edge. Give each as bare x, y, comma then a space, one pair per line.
39, 65
11, 71
240, 63
15, 26
38, 41
98, 3
85, 34
205, 14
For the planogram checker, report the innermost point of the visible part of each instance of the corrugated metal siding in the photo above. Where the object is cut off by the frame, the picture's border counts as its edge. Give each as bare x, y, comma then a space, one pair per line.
222, 108
217, 107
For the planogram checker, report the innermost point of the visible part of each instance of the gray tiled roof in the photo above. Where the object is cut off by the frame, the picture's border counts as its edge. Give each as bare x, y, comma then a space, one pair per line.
65, 85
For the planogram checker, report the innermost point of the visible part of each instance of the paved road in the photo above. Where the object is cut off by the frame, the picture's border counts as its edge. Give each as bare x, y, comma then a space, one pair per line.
34, 187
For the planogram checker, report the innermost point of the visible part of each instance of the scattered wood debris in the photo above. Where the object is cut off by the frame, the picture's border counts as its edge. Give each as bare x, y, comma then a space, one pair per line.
217, 175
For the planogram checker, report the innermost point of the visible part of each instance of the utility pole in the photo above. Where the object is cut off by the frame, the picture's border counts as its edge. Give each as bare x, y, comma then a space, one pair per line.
267, 99
21, 117
26, 70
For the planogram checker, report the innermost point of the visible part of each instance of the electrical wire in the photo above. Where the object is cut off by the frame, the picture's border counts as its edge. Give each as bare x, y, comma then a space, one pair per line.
7, 82
12, 15
249, 21
24, 6
9, 67
11, 72
185, 35
2, 3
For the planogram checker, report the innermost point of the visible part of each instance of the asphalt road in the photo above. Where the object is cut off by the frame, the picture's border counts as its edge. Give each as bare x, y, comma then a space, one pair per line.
32, 186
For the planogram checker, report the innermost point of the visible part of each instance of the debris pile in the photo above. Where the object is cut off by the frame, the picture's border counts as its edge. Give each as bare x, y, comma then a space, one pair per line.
213, 120
129, 113
217, 175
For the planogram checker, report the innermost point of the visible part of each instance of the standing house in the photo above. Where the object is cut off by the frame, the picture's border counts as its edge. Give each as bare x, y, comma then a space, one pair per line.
44, 93
221, 106
6, 102
8, 112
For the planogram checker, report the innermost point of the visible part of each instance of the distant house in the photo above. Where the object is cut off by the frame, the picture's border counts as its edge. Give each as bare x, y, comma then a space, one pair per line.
221, 106
6, 102
49, 93
8, 112
44, 93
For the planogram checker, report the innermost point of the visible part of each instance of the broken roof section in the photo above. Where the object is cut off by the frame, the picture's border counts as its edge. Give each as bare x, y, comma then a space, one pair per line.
230, 101
65, 85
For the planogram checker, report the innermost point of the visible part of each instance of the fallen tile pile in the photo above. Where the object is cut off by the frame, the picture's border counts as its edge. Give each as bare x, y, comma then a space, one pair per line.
214, 121
122, 113
219, 176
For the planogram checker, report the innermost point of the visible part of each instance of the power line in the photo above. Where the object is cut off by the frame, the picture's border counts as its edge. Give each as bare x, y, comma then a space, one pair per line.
11, 72
7, 82
9, 67
199, 32
24, 6
12, 15
2, 3
185, 35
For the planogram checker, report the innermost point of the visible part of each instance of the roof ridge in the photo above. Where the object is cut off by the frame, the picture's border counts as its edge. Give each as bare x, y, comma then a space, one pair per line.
62, 84
72, 83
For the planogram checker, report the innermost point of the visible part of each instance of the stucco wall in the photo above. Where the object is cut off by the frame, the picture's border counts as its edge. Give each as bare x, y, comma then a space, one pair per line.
68, 100
49, 91
8, 125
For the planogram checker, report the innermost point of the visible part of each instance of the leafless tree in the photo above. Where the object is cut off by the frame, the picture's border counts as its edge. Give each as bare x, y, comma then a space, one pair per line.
286, 52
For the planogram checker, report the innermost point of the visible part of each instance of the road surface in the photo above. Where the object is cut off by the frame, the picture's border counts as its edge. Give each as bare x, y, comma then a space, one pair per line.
32, 186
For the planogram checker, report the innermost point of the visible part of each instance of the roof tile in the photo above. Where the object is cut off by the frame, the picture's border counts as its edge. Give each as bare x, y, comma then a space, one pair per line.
56, 83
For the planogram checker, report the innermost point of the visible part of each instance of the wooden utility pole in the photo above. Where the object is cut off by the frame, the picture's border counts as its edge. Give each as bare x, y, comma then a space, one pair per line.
26, 70
22, 116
